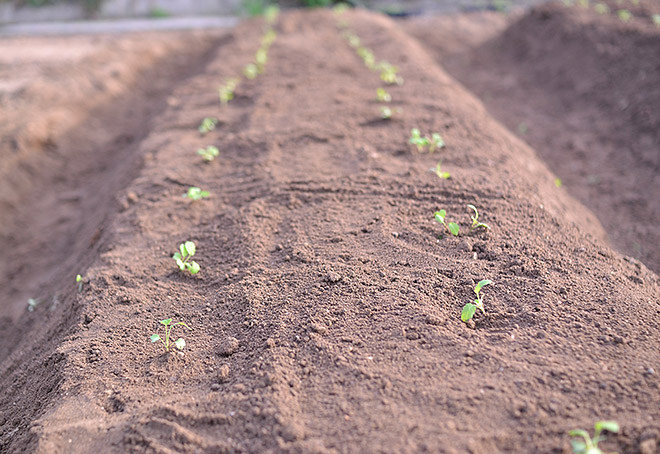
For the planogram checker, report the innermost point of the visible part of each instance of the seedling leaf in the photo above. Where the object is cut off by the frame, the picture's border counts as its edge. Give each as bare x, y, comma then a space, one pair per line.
190, 248
453, 228
193, 267
481, 284
468, 312
180, 343
166, 322
610, 426
155, 338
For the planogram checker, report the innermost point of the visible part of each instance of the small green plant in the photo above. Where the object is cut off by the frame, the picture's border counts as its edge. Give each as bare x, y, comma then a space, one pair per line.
261, 58
169, 326
624, 15
475, 219
388, 73
471, 308
590, 445
207, 125
250, 71
79, 281
439, 172
226, 92
382, 95
558, 182
367, 57
33, 303
385, 113
583, 3
656, 19
209, 153
340, 8
271, 12
196, 193
433, 143
601, 8
451, 227
186, 252
268, 39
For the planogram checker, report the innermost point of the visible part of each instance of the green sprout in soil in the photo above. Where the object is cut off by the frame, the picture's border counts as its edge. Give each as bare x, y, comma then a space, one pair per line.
79, 281
382, 95
367, 57
439, 172
471, 308
601, 8
353, 40
656, 19
451, 227
475, 219
590, 445
261, 58
207, 125
169, 326
388, 73
624, 15
558, 182
33, 303
250, 71
270, 13
268, 39
583, 3
385, 113
196, 193
433, 143
226, 92
209, 153
340, 8
186, 252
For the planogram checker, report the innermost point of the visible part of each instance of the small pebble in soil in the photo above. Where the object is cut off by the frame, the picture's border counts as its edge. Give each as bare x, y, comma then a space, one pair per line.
215, 387
333, 277
223, 373
229, 346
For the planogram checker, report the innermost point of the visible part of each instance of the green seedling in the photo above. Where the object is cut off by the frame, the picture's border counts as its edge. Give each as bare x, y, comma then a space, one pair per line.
79, 281
367, 57
471, 308
601, 8
475, 219
439, 172
558, 182
261, 57
196, 193
389, 76
416, 139
186, 252
353, 40
207, 125
590, 445
385, 113
382, 95
433, 143
451, 227
209, 153
250, 71
271, 13
340, 8
624, 15
226, 92
169, 326
268, 38
33, 303
436, 142
583, 3
656, 19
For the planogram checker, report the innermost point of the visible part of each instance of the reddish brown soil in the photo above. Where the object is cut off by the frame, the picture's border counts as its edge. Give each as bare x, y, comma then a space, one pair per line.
583, 90
326, 314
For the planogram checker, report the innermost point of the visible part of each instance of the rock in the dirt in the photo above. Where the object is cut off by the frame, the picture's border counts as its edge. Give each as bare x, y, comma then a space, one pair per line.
648, 446
215, 387
333, 277
223, 373
229, 346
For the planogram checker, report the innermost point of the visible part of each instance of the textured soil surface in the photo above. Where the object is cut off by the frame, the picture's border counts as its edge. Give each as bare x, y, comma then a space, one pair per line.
326, 315
583, 89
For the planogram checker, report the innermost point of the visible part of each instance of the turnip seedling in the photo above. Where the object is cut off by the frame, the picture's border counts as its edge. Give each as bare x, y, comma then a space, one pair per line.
226, 92
624, 15
416, 139
250, 71
270, 13
207, 125
182, 258
33, 303
169, 326
367, 56
656, 19
385, 113
452, 227
601, 8
79, 281
382, 95
196, 193
436, 142
475, 219
268, 39
590, 445
438, 171
209, 153
469, 309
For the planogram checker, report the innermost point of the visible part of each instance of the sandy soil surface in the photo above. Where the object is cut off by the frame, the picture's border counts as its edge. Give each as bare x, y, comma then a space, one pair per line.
326, 315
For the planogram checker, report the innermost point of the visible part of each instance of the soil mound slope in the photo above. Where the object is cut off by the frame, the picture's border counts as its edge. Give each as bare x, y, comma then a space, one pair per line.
325, 318
583, 89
